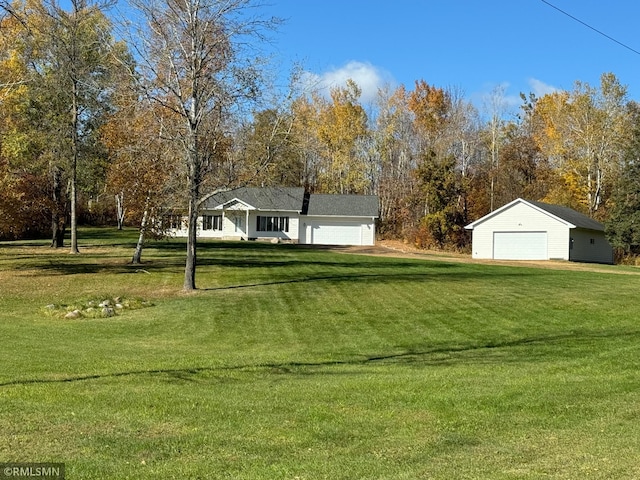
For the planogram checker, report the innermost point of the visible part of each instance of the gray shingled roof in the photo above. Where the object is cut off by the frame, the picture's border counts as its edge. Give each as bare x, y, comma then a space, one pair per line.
343, 205
268, 198
569, 215
293, 199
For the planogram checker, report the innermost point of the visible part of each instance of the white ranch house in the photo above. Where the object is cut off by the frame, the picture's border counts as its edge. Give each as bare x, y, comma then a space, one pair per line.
287, 214
525, 230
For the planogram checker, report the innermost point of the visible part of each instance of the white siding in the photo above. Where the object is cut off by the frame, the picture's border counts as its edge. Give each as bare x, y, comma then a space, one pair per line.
291, 235
521, 218
209, 233
236, 226
337, 231
590, 246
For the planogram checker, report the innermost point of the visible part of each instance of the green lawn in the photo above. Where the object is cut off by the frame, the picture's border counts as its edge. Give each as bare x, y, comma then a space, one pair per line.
293, 363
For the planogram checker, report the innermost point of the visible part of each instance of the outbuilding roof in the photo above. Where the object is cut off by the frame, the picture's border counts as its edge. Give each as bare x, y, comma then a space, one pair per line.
571, 217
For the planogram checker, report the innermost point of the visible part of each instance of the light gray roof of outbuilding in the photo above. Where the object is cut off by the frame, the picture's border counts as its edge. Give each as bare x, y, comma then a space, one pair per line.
343, 205
567, 215
570, 215
289, 199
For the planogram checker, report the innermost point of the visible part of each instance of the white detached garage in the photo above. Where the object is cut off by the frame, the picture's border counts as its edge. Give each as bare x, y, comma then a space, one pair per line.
525, 230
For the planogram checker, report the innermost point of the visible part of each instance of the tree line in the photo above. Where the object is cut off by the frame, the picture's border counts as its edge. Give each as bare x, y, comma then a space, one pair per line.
124, 121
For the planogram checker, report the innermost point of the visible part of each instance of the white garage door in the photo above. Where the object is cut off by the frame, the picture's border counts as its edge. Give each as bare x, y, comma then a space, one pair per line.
520, 246
336, 233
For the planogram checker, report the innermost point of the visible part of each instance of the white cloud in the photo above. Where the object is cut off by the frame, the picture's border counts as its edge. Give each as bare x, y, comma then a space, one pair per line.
368, 77
502, 97
497, 99
539, 88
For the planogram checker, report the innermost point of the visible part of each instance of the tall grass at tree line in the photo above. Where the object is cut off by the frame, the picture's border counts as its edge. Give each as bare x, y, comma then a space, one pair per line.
298, 363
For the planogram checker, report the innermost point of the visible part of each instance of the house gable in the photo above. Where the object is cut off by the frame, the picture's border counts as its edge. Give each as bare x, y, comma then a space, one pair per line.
537, 206
234, 204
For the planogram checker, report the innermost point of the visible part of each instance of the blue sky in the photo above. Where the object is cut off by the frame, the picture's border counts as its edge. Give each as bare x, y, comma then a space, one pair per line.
470, 45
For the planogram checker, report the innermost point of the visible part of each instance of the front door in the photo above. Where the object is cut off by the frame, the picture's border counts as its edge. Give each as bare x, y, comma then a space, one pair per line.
239, 224
234, 225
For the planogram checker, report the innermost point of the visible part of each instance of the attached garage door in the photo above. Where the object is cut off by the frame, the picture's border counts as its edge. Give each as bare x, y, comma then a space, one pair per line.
520, 246
336, 233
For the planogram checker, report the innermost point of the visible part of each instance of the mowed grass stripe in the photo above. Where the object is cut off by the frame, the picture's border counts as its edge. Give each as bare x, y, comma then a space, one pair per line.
293, 362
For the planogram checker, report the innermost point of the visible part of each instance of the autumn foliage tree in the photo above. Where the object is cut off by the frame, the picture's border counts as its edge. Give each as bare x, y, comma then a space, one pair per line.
328, 135
65, 60
192, 64
342, 122
142, 173
395, 146
192, 127
437, 172
75, 67
24, 200
623, 222
584, 133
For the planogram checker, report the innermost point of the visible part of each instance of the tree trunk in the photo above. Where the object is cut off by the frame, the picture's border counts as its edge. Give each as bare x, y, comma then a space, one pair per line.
192, 223
74, 169
137, 254
59, 211
74, 214
120, 210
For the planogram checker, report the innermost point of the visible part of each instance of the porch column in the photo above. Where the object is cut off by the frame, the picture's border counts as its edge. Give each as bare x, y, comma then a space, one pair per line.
222, 224
246, 222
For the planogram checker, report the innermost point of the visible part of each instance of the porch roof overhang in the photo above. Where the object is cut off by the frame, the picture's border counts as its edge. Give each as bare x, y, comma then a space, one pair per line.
234, 204
240, 205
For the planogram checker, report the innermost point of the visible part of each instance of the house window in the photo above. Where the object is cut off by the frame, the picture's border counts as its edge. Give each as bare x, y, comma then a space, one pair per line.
592, 241
272, 224
173, 222
212, 222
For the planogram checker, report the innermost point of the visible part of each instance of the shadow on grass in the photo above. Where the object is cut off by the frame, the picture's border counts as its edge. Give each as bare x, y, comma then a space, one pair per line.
286, 260
87, 237
437, 356
73, 265
76, 266
286, 269
369, 277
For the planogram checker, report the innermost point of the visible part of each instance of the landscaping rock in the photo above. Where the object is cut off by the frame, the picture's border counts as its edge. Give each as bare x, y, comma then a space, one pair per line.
94, 308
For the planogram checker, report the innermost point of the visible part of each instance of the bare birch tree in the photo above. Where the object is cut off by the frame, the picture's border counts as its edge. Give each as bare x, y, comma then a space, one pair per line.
194, 60
495, 106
